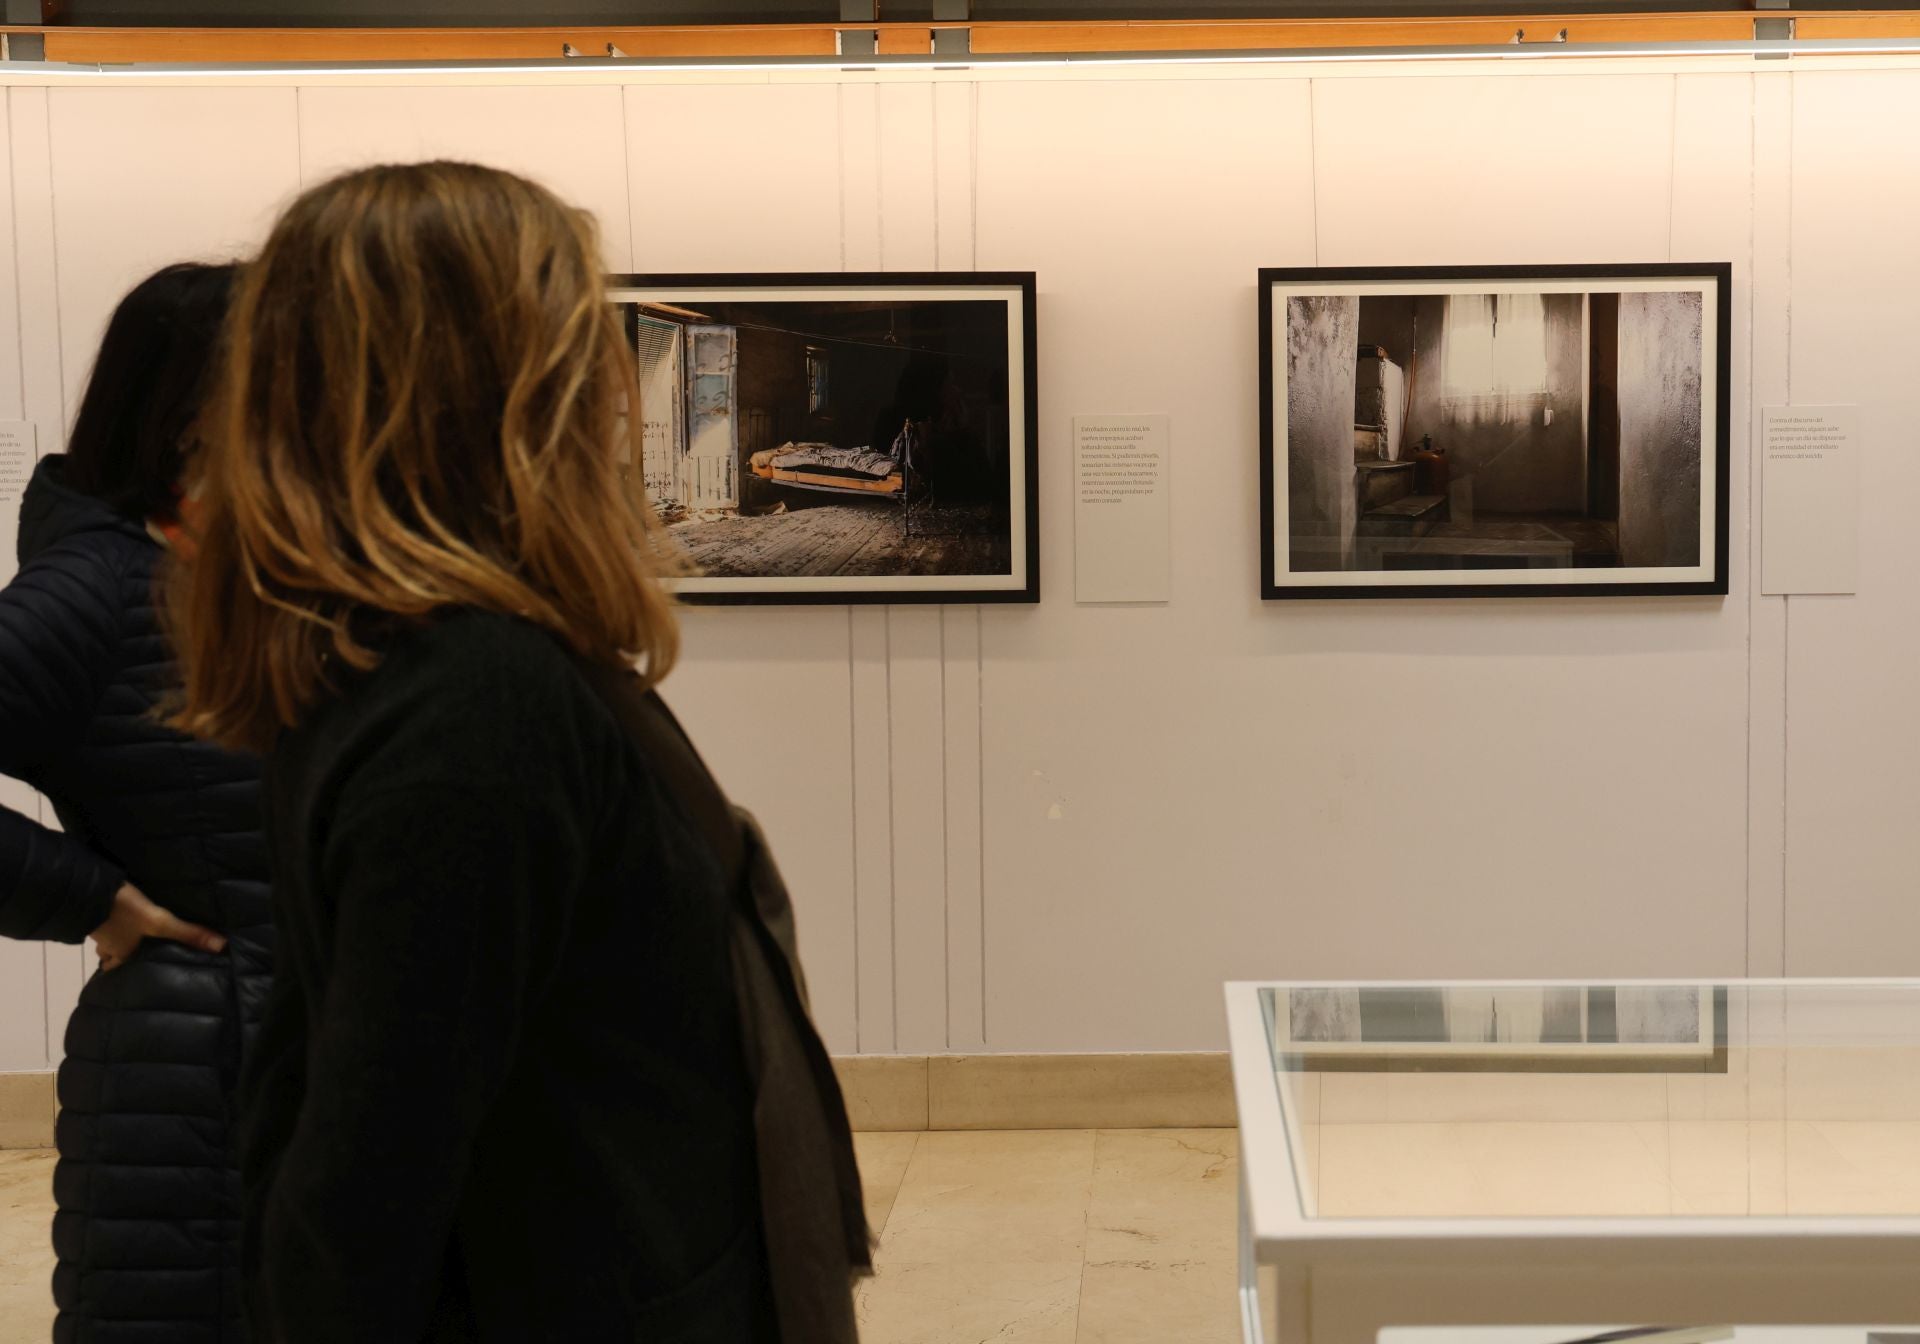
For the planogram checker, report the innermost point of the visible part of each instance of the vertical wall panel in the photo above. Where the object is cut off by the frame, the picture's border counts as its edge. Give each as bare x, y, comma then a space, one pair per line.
570, 139
870, 650
1852, 716
872, 827
23, 1028
960, 703
1713, 220
917, 747
953, 157
44, 980
36, 268
908, 202
13, 390
1771, 301
860, 178
138, 183
954, 153
767, 702
734, 177
917, 766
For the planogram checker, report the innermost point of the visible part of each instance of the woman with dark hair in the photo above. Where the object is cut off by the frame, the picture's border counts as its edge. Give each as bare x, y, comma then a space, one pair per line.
533, 1069
160, 860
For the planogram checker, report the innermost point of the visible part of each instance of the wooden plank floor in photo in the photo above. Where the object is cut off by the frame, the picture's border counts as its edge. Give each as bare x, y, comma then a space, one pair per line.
835, 538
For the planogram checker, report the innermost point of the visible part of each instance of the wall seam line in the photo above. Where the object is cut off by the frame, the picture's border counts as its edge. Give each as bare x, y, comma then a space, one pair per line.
19, 320
853, 835
893, 827
1786, 738
933, 95
1786, 601
973, 179
979, 627
41, 450
1753, 580
59, 328
299, 138
946, 849
840, 153
1313, 159
626, 154
1673, 163
980, 780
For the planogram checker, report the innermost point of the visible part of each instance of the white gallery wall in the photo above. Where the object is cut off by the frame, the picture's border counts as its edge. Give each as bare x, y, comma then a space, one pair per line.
1060, 827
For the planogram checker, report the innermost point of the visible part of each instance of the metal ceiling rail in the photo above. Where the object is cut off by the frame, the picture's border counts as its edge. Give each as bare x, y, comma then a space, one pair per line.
1529, 51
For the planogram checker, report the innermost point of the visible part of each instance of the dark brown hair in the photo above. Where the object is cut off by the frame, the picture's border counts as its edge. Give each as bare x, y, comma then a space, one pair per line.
424, 405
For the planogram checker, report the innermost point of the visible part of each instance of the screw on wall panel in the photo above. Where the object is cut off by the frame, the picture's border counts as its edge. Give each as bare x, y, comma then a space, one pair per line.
1520, 38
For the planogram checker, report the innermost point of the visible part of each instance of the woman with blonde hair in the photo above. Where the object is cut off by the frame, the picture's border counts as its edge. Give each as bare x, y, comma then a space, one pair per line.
507, 1089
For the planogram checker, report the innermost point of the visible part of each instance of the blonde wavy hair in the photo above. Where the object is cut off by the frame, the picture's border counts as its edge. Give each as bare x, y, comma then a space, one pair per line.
425, 402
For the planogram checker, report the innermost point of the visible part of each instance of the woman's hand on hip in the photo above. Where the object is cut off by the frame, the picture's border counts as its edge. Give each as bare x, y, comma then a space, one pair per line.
134, 919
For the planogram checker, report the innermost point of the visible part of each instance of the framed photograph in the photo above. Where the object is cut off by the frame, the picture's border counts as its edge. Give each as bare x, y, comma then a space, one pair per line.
1541, 431
1442, 1026
841, 437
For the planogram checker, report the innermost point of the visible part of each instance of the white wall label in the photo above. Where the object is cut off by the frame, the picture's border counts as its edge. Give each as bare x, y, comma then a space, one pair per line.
1122, 518
16, 460
16, 469
1810, 518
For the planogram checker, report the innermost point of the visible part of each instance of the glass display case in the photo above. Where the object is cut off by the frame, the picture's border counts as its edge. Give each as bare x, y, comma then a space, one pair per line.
1492, 1153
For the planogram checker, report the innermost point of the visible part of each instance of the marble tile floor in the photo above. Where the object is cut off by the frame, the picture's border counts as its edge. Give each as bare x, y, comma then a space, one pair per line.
1040, 1237
26, 1257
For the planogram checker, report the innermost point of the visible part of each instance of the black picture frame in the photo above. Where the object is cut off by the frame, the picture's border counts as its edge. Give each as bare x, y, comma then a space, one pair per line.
1281, 284
1021, 582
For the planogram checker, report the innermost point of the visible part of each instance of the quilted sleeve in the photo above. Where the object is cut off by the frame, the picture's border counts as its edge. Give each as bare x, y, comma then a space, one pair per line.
59, 646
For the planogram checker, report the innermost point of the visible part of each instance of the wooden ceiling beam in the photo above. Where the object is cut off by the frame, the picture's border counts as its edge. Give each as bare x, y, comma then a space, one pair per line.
192, 46
1457, 30
267, 46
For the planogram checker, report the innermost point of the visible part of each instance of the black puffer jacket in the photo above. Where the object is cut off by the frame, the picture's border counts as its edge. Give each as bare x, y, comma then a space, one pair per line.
148, 1200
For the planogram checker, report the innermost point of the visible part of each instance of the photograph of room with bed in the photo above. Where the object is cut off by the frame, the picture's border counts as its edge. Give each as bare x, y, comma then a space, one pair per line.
850, 439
